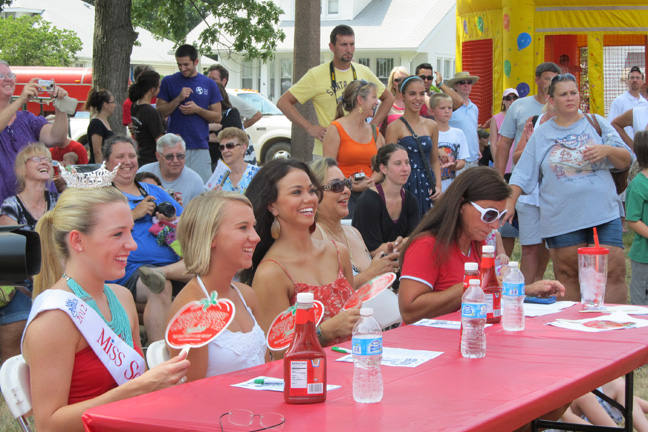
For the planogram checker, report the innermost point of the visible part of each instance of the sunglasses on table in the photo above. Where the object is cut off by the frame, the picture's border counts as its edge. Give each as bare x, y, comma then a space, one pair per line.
170, 156
426, 77
510, 97
469, 82
337, 185
228, 146
489, 215
239, 417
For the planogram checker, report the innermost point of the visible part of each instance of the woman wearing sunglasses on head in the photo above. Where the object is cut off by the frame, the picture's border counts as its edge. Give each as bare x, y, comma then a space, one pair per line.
330, 212
397, 75
288, 260
450, 235
351, 141
420, 137
570, 157
233, 144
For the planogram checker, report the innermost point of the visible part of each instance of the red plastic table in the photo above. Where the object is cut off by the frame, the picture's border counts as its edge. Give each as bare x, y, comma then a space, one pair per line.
523, 376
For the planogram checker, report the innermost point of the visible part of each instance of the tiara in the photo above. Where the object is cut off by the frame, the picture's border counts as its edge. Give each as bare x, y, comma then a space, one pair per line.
90, 180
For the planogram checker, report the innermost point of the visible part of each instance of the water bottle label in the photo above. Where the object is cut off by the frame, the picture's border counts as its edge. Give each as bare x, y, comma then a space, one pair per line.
366, 347
473, 310
513, 289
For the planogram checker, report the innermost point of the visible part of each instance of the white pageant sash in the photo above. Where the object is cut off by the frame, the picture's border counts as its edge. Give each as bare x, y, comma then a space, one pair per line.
122, 361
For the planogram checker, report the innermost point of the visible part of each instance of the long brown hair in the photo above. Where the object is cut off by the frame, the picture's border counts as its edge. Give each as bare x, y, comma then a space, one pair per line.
443, 221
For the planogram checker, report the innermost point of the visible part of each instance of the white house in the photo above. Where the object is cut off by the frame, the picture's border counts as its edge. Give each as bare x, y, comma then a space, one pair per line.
78, 16
388, 33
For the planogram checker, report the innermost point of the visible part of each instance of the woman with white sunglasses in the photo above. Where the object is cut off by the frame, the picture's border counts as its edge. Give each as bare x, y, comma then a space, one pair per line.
450, 235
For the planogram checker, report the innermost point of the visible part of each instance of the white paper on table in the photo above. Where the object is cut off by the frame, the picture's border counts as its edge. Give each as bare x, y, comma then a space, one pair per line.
537, 309
617, 317
400, 357
272, 386
452, 325
629, 309
218, 177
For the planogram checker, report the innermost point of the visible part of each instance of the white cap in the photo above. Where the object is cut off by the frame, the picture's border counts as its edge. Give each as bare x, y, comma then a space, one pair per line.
513, 264
471, 266
365, 311
488, 249
474, 282
306, 297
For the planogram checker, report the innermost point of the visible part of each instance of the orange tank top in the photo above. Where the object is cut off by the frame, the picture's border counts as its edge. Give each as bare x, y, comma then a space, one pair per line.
352, 156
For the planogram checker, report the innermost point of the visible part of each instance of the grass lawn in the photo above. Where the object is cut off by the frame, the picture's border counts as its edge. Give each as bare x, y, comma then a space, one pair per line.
8, 424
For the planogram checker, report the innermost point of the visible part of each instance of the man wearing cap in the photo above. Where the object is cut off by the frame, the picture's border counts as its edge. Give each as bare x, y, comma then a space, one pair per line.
325, 83
465, 118
535, 255
629, 100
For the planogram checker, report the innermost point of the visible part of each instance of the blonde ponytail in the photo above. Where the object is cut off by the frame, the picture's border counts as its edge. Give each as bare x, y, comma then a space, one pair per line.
51, 256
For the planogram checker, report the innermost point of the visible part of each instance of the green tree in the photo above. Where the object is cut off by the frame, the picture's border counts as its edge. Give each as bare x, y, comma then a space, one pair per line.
32, 41
248, 27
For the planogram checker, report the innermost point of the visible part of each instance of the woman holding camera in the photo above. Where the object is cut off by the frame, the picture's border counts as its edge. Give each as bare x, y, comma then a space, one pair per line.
152, 266
351, 141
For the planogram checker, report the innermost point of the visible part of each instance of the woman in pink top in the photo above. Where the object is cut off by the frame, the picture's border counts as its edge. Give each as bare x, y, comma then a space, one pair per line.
510, 95
287, 260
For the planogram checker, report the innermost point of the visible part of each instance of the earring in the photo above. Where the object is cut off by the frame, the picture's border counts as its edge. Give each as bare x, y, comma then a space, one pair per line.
275, 229
312, 228
360, 110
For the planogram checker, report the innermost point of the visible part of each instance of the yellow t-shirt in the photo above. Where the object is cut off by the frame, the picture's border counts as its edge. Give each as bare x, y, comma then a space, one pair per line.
315, 85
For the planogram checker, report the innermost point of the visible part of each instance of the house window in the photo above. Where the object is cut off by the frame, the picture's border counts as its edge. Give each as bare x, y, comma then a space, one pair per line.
247, 78
286, 74
332, 7
383, 68
271, 78
446, 68
364, 61
438, 68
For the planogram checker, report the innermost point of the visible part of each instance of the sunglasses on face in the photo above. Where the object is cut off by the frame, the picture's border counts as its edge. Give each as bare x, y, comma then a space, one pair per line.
39, 159
489, 215
337, 185
170, 156
228, 146
398, 80
510, 97
426, 77
469, 82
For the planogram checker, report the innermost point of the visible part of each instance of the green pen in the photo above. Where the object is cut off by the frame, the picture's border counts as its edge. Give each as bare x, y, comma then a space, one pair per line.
268, 381
342, 350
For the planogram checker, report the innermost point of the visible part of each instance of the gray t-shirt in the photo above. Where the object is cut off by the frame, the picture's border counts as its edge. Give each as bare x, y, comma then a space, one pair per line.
516, 117
189, 183
246, 110
574, 193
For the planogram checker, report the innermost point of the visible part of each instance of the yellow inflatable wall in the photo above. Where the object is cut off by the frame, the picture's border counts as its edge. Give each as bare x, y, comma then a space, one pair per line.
526, 33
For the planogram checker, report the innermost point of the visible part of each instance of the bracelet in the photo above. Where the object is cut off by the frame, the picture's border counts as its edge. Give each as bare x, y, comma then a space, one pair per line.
320, 337
439, 85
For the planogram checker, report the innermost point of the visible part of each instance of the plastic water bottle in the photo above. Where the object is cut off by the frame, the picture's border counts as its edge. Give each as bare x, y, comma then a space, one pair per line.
473, 320
471, 271
367, 355
513, 299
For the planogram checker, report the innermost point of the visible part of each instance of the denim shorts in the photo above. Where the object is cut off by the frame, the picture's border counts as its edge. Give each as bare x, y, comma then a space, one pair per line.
18, 308
609, 234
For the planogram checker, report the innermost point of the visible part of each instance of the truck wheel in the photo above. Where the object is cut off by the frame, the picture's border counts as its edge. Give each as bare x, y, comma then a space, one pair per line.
280, 150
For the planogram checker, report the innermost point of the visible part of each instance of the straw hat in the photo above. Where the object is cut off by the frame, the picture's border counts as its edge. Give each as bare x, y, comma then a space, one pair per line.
460, 76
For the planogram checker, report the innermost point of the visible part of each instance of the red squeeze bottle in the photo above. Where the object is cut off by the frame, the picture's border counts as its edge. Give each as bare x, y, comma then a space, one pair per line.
491, 286
305, 361
471, 271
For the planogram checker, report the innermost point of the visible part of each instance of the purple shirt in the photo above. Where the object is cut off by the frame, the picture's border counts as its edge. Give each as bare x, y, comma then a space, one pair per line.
192, 128
23, 131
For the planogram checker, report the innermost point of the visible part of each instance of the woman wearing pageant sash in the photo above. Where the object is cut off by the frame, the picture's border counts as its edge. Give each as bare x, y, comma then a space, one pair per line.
82, 341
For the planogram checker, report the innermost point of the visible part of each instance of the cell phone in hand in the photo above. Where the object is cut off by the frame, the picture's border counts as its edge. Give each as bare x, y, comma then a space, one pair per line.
359, 176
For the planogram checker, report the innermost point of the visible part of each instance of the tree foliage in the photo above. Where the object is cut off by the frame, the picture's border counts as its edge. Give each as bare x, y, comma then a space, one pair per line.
32, 41
248, 27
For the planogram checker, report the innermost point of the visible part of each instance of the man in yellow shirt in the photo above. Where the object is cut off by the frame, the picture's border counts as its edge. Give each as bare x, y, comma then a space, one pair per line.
325, 83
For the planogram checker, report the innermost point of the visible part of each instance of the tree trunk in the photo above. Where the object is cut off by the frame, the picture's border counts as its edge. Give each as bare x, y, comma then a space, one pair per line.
113, 44
307, 55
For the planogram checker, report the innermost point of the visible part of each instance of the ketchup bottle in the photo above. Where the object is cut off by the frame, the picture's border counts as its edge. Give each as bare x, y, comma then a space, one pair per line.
305, 361
471, 271
491, 285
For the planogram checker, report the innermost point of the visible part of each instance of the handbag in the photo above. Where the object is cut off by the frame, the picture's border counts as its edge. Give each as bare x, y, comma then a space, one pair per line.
620, 177
426, 162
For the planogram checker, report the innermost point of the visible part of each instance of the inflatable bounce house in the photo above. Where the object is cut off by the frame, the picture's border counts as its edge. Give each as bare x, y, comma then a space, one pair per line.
502, 41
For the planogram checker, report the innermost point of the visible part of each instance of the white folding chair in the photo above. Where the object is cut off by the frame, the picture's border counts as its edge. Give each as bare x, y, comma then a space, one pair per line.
156, 353
385, 307
14, 381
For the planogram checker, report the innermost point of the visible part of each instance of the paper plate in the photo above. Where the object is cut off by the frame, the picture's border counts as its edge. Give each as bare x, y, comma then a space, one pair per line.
282, 329
370, 290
